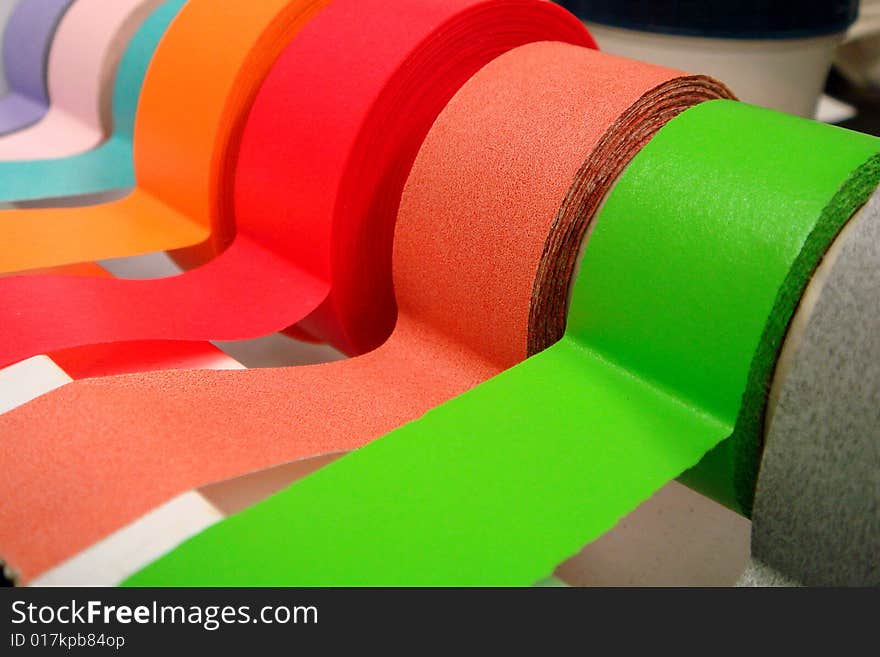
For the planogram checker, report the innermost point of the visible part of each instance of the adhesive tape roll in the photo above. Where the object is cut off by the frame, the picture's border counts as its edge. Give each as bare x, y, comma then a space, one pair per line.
190, 114
313, 233
110, 165
487, 190
85, 54
683, 293
26, 43
6, 7
816, 519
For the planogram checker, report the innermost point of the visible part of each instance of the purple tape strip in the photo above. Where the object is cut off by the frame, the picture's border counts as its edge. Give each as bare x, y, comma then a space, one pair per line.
26, 44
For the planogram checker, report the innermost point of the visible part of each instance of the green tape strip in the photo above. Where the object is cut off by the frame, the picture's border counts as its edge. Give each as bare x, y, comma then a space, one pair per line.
685, 291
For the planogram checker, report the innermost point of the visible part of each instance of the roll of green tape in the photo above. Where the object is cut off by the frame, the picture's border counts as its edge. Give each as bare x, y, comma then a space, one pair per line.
700, 257
689, 278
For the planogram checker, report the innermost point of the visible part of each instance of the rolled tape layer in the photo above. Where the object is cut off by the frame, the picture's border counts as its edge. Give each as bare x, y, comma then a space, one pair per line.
688, 279
83, 60
489, 187
110, 165
749, 19
26, 43
190, 115
313, 233
6, 7
816, 518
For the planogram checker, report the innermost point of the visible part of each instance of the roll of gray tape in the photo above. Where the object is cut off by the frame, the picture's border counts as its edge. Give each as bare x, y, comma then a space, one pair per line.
816, 519
760, 574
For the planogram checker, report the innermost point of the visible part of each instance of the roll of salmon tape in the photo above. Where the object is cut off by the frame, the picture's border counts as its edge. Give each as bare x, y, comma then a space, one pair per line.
816, 519
109, 165
752, 19
6, 7
190, 114
83, 60
683, 289
26, 43
318, 184
530, 118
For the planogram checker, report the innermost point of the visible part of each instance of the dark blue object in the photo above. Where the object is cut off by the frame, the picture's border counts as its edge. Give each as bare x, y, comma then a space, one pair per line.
742, 19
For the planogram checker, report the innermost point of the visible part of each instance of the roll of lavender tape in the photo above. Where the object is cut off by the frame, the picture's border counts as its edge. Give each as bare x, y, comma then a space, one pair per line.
6, 7
26, 44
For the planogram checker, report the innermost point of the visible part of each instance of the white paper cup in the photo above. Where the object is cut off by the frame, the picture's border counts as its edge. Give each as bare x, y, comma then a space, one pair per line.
782, 74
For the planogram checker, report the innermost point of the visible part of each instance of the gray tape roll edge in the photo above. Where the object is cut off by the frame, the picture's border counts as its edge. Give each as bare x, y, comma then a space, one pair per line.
816, 519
